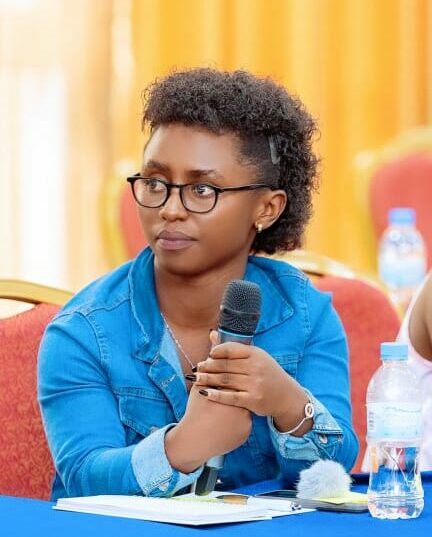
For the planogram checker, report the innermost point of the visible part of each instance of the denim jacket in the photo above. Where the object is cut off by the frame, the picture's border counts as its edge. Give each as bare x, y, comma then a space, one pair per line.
110, 385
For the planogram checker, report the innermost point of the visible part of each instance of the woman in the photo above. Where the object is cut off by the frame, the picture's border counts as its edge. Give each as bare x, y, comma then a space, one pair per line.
228, 171
416, 331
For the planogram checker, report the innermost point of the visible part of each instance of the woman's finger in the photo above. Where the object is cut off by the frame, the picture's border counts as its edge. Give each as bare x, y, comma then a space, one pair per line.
222, 380
231, 350
226, 397
214, 338
223, 365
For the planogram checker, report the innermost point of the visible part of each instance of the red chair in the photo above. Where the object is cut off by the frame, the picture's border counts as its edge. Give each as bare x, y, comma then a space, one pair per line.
122, 231
26, 467
399, 175
369, 318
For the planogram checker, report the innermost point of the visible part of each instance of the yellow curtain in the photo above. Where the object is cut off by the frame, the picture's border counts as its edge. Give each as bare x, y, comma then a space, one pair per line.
363, 68
71, 75
55, 78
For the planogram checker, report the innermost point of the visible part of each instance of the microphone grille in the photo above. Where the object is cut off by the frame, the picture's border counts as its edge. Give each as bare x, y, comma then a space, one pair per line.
240, 308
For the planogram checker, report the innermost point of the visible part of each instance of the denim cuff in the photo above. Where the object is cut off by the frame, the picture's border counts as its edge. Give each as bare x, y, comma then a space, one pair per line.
152, 470
320, 442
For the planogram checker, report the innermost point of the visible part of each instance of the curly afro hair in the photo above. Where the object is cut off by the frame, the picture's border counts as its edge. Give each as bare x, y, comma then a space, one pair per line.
274, 129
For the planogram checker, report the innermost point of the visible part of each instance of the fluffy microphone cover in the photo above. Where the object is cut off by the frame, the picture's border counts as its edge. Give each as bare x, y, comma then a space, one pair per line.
324, 479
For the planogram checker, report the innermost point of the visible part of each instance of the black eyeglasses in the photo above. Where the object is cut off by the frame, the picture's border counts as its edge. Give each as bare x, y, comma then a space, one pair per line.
195, 197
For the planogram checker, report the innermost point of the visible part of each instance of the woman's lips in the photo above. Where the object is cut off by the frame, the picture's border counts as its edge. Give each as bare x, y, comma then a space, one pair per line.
174, 240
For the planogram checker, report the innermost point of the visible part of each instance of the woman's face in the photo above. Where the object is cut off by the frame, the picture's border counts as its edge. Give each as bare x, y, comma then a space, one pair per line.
188, 243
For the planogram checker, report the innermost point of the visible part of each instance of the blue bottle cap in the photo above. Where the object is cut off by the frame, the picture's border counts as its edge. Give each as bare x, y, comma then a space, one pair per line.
402, 215
394, 351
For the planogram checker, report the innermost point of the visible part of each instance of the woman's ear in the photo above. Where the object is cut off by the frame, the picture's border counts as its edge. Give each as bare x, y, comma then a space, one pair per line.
271, 206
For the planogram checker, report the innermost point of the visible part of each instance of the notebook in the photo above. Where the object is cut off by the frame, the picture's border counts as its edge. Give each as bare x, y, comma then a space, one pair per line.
194, 511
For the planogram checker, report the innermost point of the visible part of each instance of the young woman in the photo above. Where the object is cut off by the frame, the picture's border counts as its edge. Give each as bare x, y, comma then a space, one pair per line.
228, 171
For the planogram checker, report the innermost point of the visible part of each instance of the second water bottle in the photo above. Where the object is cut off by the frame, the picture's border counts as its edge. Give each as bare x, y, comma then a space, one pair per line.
394, 436
402, 256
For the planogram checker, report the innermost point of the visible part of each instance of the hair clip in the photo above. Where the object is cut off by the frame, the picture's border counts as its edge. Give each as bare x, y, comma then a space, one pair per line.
275, 158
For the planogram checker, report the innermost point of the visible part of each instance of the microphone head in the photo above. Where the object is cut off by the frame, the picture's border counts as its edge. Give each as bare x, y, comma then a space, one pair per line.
240, 308
323, 479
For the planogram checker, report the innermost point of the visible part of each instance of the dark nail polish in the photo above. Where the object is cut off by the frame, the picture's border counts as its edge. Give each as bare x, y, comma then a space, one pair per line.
194, 369
211, 329
191, 377
203, 392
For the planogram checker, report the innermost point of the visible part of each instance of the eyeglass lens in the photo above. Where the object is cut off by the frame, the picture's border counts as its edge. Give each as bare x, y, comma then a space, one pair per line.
195, 197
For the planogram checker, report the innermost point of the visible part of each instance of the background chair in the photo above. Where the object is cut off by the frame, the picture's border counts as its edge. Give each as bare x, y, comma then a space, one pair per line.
122, 231
397, 175
26, 467
368, 316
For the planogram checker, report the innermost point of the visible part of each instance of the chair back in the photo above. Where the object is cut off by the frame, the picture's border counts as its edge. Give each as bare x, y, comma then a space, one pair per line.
123, 235
405, 182
133, 237
398, 175
26, 467
369, 318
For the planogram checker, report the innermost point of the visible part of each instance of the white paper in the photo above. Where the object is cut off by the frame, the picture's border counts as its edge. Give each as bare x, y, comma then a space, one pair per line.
186, 509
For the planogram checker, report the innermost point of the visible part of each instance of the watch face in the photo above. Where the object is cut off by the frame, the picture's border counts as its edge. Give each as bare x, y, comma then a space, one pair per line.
309, 410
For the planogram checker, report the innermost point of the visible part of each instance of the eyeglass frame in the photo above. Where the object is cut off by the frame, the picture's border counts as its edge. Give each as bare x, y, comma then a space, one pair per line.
169, 186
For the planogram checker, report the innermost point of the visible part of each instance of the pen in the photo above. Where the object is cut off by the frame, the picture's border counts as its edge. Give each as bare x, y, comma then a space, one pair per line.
266, 503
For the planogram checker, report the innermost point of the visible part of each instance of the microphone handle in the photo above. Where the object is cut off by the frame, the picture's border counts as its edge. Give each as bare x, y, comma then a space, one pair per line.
207, 480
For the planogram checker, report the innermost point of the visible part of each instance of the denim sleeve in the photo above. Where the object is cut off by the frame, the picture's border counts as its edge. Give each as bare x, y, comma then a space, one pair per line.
324, 372
81, 419
152, 469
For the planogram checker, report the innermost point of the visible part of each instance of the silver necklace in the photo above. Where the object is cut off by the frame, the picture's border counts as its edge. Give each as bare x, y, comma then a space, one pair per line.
177, 342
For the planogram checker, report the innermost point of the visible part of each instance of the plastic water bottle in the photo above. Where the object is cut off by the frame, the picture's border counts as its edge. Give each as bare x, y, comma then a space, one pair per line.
394, 435
402, 256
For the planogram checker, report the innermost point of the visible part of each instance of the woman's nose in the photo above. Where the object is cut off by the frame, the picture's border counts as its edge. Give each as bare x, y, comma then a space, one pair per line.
173, 208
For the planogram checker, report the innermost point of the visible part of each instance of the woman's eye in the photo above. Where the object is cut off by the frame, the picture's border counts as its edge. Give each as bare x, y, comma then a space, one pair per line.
202, 190
154, 185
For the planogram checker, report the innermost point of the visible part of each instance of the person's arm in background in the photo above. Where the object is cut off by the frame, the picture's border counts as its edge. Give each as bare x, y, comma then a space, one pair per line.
420, 323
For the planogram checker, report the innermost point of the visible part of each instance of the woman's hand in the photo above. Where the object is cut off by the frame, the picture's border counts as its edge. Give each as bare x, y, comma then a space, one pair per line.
207, 429
247, 376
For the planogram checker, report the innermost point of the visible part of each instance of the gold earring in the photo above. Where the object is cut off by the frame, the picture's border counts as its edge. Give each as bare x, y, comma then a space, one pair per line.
258, 228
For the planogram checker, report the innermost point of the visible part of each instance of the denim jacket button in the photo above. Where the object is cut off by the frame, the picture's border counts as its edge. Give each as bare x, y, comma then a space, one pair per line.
323, 438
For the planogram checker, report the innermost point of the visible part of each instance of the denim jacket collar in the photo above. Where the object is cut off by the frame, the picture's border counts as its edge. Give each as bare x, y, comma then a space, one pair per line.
275, 307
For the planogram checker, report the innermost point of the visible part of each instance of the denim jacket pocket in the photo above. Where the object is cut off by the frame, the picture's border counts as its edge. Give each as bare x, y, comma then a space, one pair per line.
143, 415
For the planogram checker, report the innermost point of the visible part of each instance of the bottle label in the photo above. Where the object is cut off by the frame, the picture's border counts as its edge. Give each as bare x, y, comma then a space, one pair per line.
393, 421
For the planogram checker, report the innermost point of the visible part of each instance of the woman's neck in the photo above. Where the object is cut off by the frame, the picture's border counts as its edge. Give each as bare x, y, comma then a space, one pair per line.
192, 302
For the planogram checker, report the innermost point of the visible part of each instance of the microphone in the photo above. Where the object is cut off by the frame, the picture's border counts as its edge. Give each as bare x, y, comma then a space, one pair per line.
239, 314
323, 479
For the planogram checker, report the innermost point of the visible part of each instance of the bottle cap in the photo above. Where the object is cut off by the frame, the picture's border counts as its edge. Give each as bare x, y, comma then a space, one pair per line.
402, 215
394, 351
